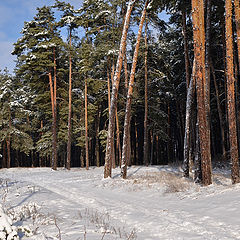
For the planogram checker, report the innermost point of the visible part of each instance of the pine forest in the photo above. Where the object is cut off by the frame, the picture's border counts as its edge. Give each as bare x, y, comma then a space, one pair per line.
114, 107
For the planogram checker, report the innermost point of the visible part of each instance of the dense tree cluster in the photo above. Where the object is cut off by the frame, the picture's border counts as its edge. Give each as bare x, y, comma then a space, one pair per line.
125, 87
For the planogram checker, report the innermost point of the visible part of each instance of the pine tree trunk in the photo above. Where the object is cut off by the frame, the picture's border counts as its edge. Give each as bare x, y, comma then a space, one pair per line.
110, 137
113, 154
4, 164
231, 94
189, 105
145, 144
129, 96
97, 147
237, 20
118, 140
54, 160
69, 144
207, 63
8, 153
53, 112
199, 55
186, 55
220, 114
198, 168
86, 127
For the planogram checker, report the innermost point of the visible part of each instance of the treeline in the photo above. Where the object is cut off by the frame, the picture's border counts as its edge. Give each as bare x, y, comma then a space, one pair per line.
125, 87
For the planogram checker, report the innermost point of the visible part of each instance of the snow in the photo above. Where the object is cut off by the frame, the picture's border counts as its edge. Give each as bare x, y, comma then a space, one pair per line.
68, 19
153, 203
7, 231
105, 12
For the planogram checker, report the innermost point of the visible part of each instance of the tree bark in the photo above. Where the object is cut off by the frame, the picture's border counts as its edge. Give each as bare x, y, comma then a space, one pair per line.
199, 55
54, 157
207, 62
8, 152
231, 93
86, 127
129, 96
4, 164
220, 114
145, 144
97, 148
110, 137
189, 104
186, 55
237, 20
69, 144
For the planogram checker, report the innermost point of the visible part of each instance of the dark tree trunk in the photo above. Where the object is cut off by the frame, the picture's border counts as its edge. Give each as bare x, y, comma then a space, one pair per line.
186, 55
237, 20
86, 127
145, 145
97, 147
69, 144
220, 114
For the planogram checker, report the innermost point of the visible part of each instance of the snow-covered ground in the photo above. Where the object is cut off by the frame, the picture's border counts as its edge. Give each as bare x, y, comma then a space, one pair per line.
154, 203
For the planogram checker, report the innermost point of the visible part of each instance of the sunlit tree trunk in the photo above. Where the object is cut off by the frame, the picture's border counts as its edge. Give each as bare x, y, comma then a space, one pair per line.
53, 116
199, 55
129, 96
54, 157
189, 104
69, 144
231, 93
110, 137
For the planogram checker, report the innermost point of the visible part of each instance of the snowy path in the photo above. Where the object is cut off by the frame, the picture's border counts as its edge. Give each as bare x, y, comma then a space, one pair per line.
198, 213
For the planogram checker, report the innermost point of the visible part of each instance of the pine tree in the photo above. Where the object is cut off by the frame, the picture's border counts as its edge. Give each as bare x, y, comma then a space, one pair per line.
110, 138
231, 94
129, 96
36, 52
199, 55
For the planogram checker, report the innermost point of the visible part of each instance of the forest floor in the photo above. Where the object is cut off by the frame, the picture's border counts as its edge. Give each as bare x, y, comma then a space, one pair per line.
154, 203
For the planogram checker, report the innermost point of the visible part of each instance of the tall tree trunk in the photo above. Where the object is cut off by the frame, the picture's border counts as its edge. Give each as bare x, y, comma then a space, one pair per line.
237, 19
207, 61
69, 144
145, 144
86, 127
8, 152
110, 137
97, 148
199, 55
118, 140
113, 153
231, 94
129, 96
198, 166
54, 157
220, 114
4, 164
186, 55
189, 104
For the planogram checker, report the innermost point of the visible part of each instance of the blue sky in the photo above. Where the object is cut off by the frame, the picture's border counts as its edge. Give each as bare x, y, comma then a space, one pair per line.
13, 13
